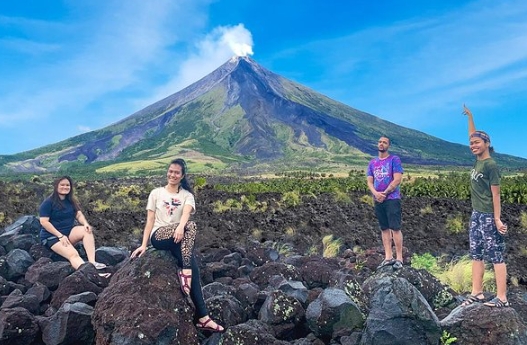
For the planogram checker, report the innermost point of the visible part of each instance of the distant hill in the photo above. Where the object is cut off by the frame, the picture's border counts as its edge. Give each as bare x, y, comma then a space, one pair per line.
243, 116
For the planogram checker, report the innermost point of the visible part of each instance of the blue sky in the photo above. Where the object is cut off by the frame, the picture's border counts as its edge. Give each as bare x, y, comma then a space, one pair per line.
73, 66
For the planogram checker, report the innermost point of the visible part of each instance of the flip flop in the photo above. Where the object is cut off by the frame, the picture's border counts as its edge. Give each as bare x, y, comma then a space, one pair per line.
105, 275
203, 326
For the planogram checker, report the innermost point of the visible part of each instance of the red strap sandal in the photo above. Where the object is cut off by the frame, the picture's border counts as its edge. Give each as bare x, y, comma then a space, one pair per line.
184, 282
203, 326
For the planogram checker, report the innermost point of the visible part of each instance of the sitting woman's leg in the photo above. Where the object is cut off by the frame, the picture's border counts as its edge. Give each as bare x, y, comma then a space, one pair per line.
68, 252
78, 234
196, 294
187, 245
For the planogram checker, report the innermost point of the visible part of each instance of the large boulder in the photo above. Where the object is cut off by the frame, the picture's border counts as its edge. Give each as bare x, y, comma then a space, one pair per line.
284, 314
144, 305
49, 273
332, 313
17, 326
18, 299
71, 324
478, 324
84, 279
317, 271
18, 261
436, 293
25, 225
111, 255
399, 314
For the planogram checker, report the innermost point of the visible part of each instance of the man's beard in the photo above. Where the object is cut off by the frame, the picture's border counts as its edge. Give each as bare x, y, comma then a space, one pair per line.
382, 150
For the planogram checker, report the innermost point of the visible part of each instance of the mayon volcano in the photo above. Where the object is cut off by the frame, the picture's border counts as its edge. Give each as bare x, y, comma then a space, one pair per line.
243, 116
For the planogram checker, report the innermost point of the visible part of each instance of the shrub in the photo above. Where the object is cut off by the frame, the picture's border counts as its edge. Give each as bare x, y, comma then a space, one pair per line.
199, 182
426, 210
256, 233
458, 275
455, 225
367, 199
100, 206
523, 221
313, 250
447, 339
331, 246
342, 197
284, 249
290, 231
291, 199
426, 261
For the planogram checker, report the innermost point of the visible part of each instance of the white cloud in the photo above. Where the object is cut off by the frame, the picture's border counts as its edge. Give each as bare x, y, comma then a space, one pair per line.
103, 49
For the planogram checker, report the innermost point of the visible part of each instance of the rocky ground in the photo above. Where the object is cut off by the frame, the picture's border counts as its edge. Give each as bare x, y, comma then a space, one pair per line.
298, 229
241, 274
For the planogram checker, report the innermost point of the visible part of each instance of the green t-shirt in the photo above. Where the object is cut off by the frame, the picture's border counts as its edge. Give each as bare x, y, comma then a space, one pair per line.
484, 174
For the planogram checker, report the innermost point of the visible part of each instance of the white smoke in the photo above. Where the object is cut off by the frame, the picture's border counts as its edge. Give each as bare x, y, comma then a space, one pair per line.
212, 51
238, 39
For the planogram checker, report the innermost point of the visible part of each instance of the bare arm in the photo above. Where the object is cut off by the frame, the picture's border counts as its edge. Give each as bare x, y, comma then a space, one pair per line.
471, 126
378, 196
82, 220
178, 234
496, 202
397, 177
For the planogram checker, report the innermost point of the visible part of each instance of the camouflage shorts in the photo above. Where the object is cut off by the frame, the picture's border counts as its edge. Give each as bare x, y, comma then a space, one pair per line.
486, 243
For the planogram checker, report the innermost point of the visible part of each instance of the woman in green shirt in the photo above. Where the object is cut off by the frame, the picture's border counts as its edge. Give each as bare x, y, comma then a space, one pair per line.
486, 227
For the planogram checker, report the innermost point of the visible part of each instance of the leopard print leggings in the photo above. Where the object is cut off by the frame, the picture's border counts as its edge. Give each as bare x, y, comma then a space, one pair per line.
165, 235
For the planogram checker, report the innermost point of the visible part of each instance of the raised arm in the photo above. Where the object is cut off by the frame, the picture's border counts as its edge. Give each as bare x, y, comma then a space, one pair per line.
471, 126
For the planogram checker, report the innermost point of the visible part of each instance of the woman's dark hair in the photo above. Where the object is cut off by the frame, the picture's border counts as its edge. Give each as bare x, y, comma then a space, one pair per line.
55, 199
184, 182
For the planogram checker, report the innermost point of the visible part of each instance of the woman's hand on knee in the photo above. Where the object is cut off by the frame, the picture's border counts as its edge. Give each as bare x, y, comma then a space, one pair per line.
178, 233
64, 240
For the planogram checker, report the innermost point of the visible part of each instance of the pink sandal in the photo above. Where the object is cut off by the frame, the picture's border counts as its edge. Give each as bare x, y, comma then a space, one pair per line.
203, 326
184, 282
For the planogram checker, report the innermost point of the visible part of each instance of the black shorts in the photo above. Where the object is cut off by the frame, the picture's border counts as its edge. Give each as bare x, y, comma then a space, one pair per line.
49, 241
388, 214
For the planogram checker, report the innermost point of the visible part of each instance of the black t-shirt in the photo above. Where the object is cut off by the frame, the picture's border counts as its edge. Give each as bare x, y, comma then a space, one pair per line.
62, 218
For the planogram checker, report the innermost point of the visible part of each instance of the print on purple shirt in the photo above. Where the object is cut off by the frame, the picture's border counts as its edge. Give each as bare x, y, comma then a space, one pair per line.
382, 171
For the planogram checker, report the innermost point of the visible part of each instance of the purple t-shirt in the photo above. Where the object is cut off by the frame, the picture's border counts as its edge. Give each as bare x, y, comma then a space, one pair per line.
382, 171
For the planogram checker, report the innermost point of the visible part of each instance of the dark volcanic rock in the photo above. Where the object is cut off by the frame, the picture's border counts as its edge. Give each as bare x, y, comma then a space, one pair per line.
399, 314
17, 326
478, 324
144, 305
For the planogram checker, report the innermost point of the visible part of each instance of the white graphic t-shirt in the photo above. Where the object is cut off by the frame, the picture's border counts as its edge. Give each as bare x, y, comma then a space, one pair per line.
168, 207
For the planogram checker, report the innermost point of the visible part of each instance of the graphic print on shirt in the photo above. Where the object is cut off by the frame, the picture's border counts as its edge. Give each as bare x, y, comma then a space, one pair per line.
474, 174
381, 172
171, 205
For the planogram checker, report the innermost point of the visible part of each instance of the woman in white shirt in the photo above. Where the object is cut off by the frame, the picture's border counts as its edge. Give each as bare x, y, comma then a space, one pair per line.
168, 228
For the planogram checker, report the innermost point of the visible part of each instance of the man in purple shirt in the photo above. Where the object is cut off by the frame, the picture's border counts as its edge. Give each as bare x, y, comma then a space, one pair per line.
384, 175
